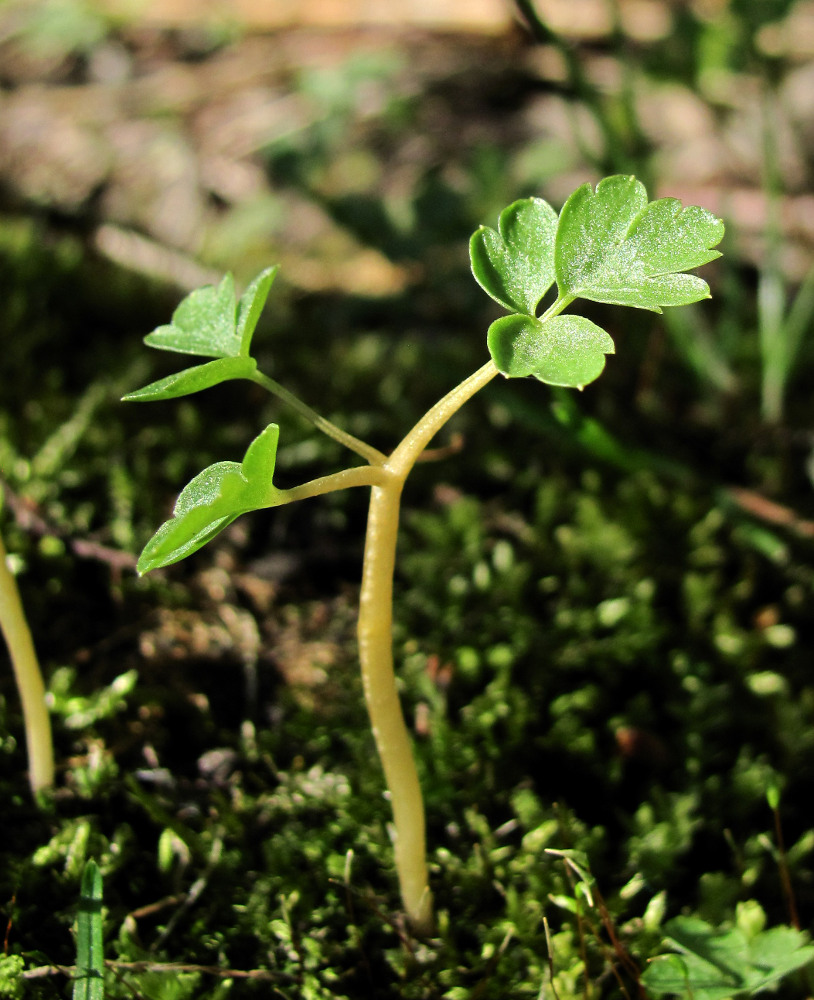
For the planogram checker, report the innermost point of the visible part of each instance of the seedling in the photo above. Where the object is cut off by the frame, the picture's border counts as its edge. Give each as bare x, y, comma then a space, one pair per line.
608, 244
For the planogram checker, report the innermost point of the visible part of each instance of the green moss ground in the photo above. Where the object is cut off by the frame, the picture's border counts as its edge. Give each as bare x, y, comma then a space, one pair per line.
602, 650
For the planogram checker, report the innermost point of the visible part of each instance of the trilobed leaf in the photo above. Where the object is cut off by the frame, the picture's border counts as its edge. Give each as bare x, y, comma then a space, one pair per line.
209, 322
612, 246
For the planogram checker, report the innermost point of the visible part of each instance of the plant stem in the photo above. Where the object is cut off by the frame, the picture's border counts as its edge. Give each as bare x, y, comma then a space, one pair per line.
29, 680
363, 475
415, 441
384, 708
368, 452
376, 653
562, 302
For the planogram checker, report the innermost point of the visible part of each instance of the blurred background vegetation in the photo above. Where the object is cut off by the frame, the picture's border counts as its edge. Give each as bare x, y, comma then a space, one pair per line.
604, 607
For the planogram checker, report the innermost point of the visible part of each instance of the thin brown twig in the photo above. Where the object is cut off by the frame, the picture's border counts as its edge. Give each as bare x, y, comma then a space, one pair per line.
609, 956
12, 901
769, 511
149, 909
597, 901
41, 971
456, 444
30, 519
624, 956
785, 877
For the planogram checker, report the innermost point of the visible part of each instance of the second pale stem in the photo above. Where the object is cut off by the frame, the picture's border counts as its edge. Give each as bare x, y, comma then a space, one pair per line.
29, 680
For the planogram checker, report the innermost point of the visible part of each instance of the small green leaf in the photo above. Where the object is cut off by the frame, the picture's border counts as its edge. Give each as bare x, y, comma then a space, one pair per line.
612, 246
515, 263
251, 305
204, 323
193, 380
777, 952
565, 350
258, 462
90, 967
719, 965
213, 499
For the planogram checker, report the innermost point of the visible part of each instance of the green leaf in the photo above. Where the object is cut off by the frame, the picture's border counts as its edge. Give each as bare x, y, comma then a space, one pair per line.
193, 379
204, 323
515, 263
213, 499
612, 246
565, 350
718, 965
251, 305
90, 966
779, 951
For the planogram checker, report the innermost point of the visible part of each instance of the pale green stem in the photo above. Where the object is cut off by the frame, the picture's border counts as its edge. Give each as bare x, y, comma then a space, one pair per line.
364, 475
368, 452
384, 708
404, 457
563, 301
29, 680
376, 654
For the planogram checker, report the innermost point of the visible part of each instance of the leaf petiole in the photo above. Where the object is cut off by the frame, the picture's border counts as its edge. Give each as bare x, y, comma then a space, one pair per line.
563, 301
363, 475
366, 451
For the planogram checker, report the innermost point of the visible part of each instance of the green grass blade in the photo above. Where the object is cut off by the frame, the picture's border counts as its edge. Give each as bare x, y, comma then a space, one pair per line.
700, 348
89, 983
780, 338
799, 319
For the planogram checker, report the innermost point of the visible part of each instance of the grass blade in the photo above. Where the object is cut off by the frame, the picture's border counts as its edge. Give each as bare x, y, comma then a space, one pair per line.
89, 983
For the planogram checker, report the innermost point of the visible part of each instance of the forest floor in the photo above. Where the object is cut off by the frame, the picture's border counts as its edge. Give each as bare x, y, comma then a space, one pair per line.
603, 602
